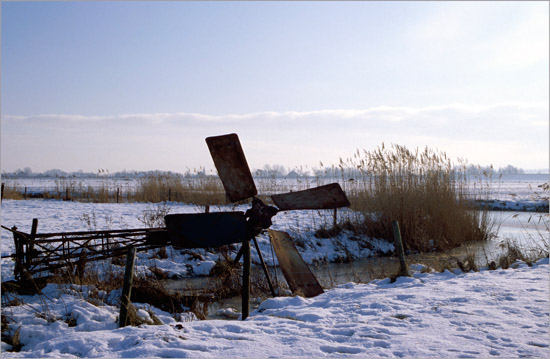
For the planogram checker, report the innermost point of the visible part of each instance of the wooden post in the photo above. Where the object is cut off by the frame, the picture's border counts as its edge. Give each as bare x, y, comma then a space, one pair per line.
207, 208
246, 279
2, 195
117, 194
18, 254
25, 194
30, 246
335, 217
67, 194
81, 264
399, 249
127, 288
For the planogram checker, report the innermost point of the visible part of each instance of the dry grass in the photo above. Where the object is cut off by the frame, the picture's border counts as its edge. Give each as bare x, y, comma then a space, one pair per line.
162, 188
12, 191
420, 189
155, 188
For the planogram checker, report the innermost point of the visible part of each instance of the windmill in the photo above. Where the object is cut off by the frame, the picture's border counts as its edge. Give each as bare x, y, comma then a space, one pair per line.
204, 230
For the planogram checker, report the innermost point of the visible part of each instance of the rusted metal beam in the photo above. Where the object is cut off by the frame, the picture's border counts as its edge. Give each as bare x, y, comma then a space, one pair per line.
264, 267
60, 262
36, 252
83, 233
14, 230
90, 237
245, 300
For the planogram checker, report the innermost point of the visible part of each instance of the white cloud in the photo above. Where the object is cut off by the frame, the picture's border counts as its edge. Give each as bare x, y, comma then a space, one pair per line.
501, 134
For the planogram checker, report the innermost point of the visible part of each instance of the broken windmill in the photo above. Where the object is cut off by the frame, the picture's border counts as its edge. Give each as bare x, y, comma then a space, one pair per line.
203, 230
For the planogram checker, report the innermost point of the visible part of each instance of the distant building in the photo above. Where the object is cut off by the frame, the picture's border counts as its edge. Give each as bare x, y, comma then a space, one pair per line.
293, 174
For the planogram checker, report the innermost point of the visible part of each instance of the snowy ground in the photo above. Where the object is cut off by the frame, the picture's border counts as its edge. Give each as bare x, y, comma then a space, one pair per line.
64, 216
517, 192
501, 313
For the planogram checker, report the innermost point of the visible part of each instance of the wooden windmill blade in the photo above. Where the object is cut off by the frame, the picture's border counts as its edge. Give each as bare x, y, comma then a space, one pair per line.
299, 277
323, 197
232, 167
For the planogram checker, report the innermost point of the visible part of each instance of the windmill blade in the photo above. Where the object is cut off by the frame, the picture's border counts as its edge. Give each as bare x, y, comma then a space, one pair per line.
322, 197
232, 167
206, 230
296, 272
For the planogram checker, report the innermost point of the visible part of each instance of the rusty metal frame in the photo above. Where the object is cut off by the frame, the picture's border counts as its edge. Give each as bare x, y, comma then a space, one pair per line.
42, 252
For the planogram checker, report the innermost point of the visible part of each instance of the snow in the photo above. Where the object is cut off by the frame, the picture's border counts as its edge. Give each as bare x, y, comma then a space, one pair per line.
501, 313
63, 216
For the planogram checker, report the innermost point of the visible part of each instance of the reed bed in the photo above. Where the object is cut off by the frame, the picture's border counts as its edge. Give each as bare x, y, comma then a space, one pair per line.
422, 190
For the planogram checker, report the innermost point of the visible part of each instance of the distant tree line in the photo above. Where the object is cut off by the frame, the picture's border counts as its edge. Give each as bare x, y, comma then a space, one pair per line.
268, 171
101, 173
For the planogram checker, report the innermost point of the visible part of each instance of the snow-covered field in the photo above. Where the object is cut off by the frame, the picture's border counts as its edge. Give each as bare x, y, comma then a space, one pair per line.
515, 189
501, 313
64, 216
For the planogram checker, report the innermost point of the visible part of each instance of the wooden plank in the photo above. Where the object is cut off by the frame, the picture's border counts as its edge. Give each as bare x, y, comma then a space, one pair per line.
323, 197
296, 272
232, 167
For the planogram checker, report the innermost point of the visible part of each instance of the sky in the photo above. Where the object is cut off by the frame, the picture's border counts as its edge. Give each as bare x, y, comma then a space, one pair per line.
140, 85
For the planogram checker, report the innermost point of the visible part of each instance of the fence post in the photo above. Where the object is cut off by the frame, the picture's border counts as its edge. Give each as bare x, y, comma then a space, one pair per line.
30, 245
207, 208
81, 263
335, 217
2, 195
18, 254
246, 279
127, 287
399, 248
25, 194
117, 194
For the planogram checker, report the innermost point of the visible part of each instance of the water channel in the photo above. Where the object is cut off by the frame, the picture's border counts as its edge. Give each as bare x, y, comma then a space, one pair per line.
525, 229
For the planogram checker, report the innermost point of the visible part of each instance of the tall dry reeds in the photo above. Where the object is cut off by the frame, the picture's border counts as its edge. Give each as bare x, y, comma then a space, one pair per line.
420, 189
160, 188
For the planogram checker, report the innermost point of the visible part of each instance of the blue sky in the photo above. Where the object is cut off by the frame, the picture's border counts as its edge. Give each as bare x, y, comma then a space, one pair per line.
139, 85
